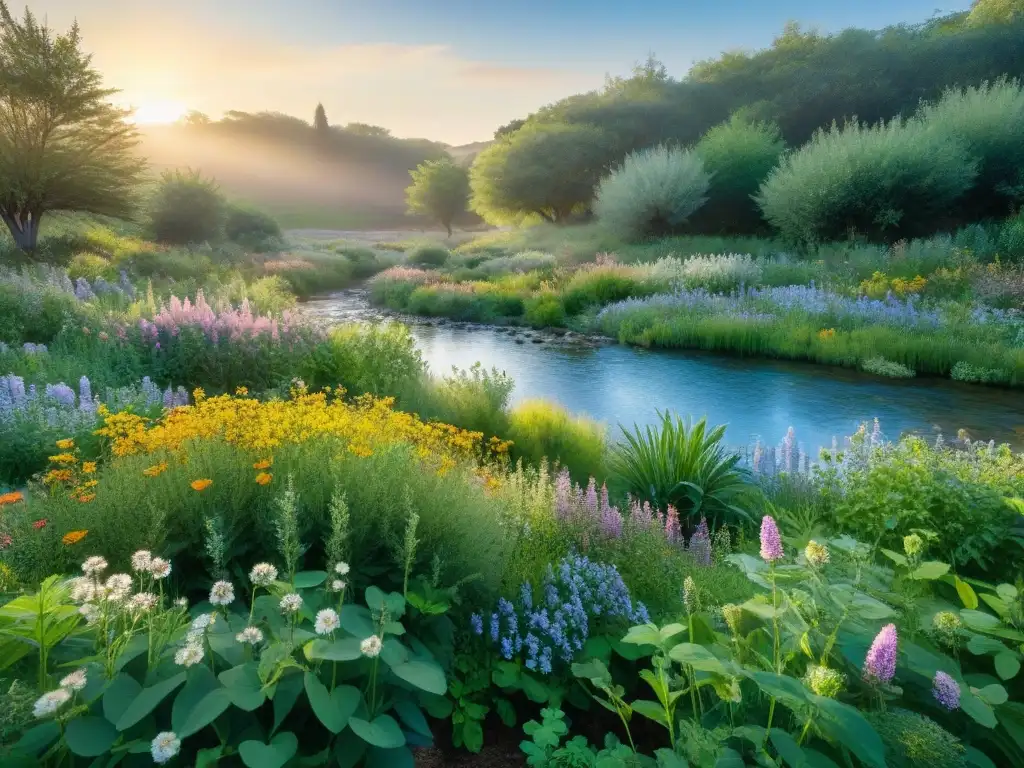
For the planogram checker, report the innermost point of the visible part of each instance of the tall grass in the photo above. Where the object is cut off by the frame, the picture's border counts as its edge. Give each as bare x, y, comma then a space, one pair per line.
541, 431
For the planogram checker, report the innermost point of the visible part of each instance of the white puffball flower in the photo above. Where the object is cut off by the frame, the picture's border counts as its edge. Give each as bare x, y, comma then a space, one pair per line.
118, 587
142, 602
165, 746
75, 681
83, 590
341, 569
337, 585
222, 593
181, 602
90, 611
371, 646
202, 621
250, 635
159, 568
291, 603
49, 703
189, 654
142, 560
94, 566
326, 622
263, 574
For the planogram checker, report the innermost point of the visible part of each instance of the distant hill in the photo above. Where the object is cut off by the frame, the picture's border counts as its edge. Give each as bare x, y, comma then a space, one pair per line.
466, 152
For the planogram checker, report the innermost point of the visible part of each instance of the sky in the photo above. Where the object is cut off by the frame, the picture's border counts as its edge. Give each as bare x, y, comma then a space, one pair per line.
447, 70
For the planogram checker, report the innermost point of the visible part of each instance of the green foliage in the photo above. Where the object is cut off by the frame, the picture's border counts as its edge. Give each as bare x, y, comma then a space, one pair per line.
542, 430
653, 193
913, 740
884, 182
684, 465
250, 227
882, 367
995, 12
738, 156
544, 311
549, 171
476, 399
33, 311
186, 208
440, 190
429, 255
64, 146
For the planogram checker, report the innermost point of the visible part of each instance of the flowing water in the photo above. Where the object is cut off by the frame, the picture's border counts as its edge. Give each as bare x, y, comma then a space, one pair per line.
757, 399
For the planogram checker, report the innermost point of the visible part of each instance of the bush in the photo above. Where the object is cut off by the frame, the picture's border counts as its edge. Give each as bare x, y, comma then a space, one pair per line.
595, 285
717, 274
187, 208
542, 430
738, 155
652, 193
250, 227
1011, 238
88, 265
544, 311
429, 256
475, 399
882, 367
885, 182
34, 311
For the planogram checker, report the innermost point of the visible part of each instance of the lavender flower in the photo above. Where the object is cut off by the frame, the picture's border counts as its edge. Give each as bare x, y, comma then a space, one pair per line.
700, 544
771, 542
673, 531
880, 662
476, 621
946, 691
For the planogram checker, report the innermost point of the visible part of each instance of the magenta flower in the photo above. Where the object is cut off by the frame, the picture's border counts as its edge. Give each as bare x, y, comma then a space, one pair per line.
771, 542
880, 663
946, 691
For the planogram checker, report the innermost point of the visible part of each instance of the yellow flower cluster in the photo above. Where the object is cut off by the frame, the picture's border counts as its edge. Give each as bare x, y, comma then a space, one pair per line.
66, 471
363, 424
827, 334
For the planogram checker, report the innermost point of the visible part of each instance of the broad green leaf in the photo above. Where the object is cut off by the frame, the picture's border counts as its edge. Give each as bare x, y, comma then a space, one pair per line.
815, 759
534, 689
979, 645
1007, 665
506, 675
643, 634
425, 675
652, 710
341, 649
761, 610
90, 736
199, 703
349, 749
134, 648
896, 557
410, 714
243, 686
668, 759
382, 732
256, 754
805, 645
848, 726
332, 708
593, 670
390, 758
309, 579
505, 711
147, 701
788, 690
356, 620
978, 759
286, 693
930, 570
993, 694
869, 608
966, 592
38, 738
1007, 591
119, 695
977, 709
698, 657
209, 756
393, 652
979, 620
787, 747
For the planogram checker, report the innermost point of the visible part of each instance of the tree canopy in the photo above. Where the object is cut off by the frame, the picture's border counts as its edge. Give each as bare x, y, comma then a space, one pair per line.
63, 145
440, 190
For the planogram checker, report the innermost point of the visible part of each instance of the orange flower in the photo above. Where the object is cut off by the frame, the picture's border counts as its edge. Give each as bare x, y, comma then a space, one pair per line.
264, 478
264, 463
58, 476
64, 458
10, 498
155, 470
241, 391
73, 537
66, 444
201, 485
85, 498
88, 467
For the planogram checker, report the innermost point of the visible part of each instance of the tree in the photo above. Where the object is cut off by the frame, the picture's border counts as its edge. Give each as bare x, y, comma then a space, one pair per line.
439, 189
549, 169
320, 120
365, 129
509, 128
186, 208
63, 146
995, 12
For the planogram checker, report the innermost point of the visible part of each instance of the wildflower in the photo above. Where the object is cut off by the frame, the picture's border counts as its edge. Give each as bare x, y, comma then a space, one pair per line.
689, 594
824, 681
264, 478
90, 612
155, 470
85, 498
181, 602
142, 560
5, 540
476, 621
673, 531
201, 485
263, 464
341, 569
222, 593
88, 467
326, 622
371, 646
94, 566
290, 603
946, 622
771, 542
912, 545
159, 568
12, 497
118, 586
700, 543
880, 662
73, 537
75, 681
189, 654
66, 444
142, 602
732, 614
946, 691
165, 746
337, 585
64, 458
38, 524
263, 574
817, 554
49, 703
250, 636
83, 590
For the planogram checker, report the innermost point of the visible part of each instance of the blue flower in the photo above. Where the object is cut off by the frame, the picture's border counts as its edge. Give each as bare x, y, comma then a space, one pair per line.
477, 622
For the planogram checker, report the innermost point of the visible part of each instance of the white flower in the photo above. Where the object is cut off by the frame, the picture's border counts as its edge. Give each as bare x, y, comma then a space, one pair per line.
118, 587
142, 560
143, 601
83, 590
165, 746
263, 574
181, 602
75, 681
189, 654
90, 611
337, 585
290, 603
94, 566
222, 593
49, 703
202, 621
370, 646
326, 622
159, 568
250, 635
341, 569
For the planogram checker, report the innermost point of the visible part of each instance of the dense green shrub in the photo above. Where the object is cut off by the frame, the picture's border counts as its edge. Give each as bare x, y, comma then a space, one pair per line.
34, 312
738, 156
885, 182
88, 265
250, 227
652, 193
187, 208
544, 310
599, 284
542, 430
476, 399
429, 255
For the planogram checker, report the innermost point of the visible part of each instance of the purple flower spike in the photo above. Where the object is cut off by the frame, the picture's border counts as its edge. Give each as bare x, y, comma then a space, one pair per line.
700, 544
880, 663
946, 691
673, 531
771, 542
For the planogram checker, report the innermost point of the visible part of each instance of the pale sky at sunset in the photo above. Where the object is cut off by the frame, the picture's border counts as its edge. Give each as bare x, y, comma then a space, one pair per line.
449, 70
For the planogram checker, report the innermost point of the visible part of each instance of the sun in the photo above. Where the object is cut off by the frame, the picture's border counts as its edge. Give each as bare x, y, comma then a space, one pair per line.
158, 112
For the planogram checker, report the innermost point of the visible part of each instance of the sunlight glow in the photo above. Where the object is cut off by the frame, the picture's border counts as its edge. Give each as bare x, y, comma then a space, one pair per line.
157, 112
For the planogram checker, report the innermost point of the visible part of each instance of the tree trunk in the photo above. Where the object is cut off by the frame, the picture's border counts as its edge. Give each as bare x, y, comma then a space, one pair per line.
448, 226
24, 232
